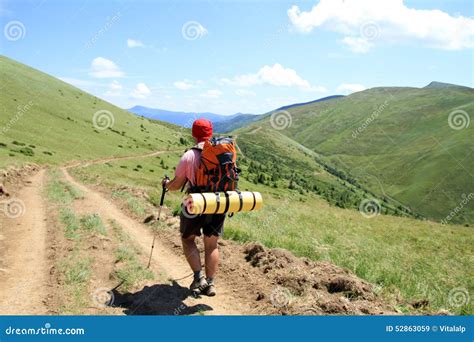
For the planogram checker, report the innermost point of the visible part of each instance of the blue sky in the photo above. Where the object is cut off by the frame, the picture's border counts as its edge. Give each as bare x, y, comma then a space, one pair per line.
239, 56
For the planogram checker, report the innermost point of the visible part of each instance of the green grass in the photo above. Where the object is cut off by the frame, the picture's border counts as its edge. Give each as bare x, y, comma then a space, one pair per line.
76, 270
71, 223
133, 204
57, 119
93, 222
131, 271
411, 258
61, 192
124, 253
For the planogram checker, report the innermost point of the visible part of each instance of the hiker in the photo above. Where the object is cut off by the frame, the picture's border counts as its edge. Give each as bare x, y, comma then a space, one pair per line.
190, 227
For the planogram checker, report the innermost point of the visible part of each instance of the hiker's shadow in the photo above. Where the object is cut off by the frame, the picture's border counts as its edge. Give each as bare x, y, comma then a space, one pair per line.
159, 299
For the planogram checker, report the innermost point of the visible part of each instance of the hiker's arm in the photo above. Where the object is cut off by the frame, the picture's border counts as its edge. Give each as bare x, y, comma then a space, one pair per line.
175, 184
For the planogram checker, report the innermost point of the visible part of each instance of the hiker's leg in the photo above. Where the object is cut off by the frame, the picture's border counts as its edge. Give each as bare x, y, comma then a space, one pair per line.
211, 255
191, 252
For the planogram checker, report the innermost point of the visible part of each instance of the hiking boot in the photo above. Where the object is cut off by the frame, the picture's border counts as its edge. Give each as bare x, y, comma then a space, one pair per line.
210, 290
198, 285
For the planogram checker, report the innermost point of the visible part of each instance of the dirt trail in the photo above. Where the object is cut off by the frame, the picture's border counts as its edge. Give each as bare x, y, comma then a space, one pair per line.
23, 273
252, 279
164, 260
110, 159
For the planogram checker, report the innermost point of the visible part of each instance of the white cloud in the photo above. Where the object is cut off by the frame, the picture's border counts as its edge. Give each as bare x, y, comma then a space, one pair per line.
212, 94
141, 91
348, 88
363, 22
275, 75
115, 85
357, 44
115, 89
132, 43
186, 84
244, 92
105, 68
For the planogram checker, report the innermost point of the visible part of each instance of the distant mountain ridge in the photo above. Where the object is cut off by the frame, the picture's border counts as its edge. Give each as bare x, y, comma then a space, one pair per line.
222, 123
440, 85
178, 118
310, 102
238, 121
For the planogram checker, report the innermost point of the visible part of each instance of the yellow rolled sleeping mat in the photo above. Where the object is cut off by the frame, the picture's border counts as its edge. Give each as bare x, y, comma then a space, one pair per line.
222, 202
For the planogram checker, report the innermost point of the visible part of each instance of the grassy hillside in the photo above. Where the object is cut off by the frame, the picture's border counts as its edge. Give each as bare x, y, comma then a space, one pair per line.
409, 260
48, 121
396, 142
271, 158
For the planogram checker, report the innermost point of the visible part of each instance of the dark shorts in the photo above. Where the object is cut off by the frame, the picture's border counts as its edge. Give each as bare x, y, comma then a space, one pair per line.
210, 225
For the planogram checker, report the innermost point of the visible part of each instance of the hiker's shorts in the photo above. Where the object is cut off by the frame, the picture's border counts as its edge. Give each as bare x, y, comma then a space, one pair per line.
210, 225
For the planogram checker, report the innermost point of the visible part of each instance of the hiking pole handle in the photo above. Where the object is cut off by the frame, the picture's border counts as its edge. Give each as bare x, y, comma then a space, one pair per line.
158, 218
164, 191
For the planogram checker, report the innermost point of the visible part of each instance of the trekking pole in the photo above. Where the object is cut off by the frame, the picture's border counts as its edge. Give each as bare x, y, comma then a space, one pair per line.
158, 218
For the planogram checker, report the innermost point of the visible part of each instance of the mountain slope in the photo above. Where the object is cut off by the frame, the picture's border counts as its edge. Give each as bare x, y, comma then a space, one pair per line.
396, 142
48, 121
439, 85
327, 98
241, 120
235, 122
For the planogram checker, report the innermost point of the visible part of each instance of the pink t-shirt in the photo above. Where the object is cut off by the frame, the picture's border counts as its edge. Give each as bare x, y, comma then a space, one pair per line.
188, 164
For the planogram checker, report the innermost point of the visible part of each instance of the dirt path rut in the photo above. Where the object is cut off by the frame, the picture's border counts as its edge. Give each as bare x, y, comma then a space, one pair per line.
23, 273
164, 260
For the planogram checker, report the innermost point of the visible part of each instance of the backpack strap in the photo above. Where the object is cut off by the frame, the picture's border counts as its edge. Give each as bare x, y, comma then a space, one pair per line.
205, 202
184, 185
254, 201
227, 202
241, 199
193, 189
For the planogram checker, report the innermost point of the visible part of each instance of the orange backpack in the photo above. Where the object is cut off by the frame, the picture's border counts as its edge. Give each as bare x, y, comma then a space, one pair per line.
217, 167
